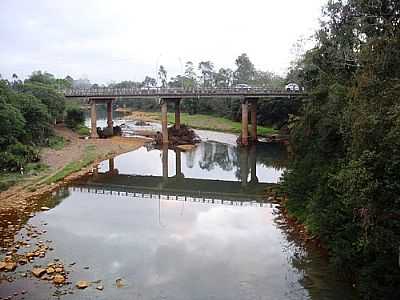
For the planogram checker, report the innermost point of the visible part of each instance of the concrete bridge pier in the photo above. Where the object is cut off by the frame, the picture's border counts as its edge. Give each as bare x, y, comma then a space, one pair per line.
245, 122
110, 116
178, 113
93, 119
164, 120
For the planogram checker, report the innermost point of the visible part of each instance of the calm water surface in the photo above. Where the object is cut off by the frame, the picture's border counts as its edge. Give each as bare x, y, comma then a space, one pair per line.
180, 225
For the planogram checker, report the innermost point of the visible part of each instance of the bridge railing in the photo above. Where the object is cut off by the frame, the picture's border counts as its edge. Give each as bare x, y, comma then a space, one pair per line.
125, 92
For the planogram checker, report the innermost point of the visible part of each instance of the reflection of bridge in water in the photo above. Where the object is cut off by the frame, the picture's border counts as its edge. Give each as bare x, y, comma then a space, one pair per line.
177, 187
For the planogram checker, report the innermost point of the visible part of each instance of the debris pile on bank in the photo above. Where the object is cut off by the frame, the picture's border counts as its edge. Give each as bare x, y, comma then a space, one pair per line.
182, 136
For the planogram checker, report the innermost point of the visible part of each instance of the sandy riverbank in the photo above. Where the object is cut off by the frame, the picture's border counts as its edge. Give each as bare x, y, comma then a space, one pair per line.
19, 197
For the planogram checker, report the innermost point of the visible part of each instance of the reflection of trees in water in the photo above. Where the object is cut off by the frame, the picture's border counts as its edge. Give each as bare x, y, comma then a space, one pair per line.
272, 155
310, 268
217, 154
190, 156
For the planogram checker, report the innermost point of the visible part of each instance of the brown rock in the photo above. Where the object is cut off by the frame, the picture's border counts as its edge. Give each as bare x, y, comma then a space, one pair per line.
59, 270
44, 208
59, 279
50, 270
82, 284
38, 272
2, 265
11, 266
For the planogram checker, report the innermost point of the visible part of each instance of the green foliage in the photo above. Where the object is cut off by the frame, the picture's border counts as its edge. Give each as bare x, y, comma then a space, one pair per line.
75, 117
54, 101
344, 179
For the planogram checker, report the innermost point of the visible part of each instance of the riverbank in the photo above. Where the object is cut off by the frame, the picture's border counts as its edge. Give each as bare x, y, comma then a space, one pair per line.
199, 121
62, 165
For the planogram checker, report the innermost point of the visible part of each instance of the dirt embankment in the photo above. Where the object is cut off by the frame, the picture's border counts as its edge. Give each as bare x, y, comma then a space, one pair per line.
19, 196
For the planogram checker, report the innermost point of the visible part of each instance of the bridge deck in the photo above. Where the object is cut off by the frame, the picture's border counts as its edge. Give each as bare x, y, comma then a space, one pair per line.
179, 93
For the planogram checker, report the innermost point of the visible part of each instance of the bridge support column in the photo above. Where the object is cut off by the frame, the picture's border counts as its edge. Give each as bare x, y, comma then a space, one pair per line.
253, 116
109, 115
93, 119
245, 122
164, 121
178, 113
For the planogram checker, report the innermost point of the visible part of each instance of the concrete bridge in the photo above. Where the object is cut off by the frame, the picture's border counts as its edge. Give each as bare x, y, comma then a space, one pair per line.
248, 96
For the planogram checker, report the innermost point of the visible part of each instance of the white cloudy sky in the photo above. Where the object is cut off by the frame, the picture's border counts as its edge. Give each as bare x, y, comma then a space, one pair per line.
127, 39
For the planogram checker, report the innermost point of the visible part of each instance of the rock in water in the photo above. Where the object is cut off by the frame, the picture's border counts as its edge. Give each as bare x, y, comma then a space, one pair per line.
82, 284
38, 272
100, 287
58, 279
10, 266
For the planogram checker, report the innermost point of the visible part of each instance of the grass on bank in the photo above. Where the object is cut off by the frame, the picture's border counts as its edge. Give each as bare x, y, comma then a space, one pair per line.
8, 179
90, 156
208, 122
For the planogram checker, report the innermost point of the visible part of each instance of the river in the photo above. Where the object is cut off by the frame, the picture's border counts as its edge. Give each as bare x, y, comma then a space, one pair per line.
170, 224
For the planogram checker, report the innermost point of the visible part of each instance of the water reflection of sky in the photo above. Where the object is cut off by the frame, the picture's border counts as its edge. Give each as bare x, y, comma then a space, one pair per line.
174, 249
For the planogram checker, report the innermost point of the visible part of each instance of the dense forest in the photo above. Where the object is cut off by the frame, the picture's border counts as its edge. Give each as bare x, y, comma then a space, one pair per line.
344, 180
27, 112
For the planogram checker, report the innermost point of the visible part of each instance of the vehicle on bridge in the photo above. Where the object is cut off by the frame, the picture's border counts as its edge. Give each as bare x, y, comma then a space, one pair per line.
292, 87
242, 86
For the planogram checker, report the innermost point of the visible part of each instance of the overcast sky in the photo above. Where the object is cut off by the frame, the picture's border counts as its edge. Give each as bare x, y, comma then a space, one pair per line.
127, 39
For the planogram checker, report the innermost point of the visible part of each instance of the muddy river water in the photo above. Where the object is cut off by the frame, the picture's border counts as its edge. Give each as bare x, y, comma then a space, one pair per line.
164, 224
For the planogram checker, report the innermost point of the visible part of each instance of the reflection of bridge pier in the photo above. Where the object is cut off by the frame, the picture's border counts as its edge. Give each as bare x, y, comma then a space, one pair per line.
165, 166
111, 169
248, 163
253, 164
164, 160
93, 115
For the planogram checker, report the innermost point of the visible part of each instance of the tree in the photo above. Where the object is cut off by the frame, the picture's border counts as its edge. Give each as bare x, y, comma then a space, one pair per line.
343, 180
224, 77
149, 82
162, 75
245, 71
207, 70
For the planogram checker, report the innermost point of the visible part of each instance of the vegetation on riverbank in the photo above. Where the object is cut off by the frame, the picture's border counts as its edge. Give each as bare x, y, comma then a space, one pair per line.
343, 182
